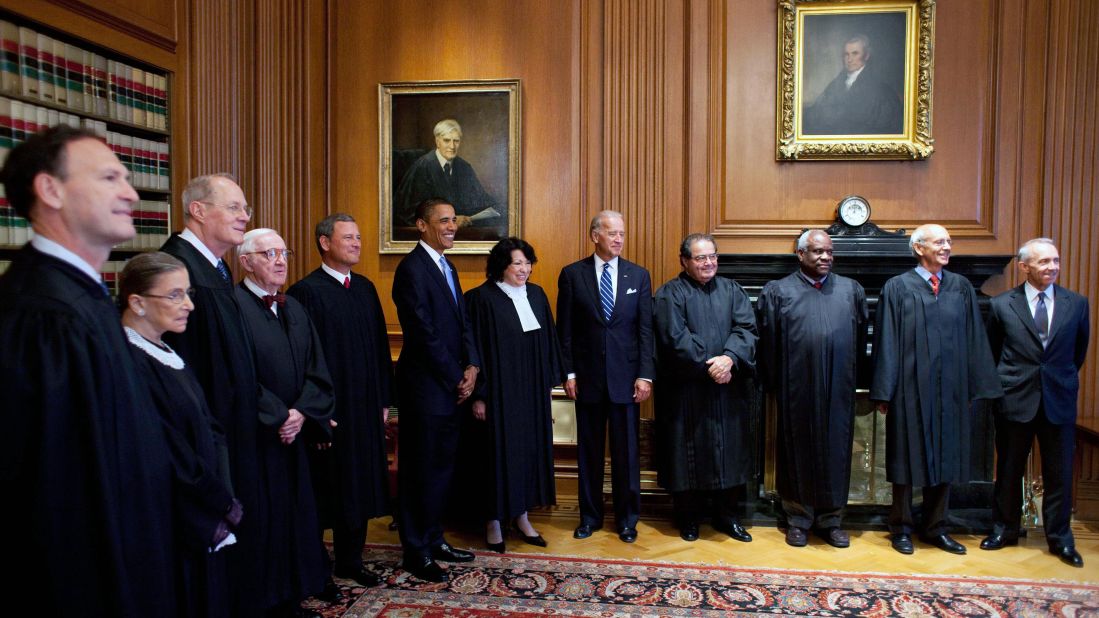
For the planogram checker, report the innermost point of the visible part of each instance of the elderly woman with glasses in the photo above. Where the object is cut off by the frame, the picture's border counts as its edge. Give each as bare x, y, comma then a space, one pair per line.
155, 296
521, 363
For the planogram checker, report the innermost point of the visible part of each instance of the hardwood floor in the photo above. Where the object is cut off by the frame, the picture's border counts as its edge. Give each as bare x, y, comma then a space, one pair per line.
869, 552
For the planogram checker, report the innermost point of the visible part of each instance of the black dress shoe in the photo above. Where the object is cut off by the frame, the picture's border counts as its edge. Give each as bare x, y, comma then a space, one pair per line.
331, 593
626, 534
360, 576
689, 532
583, 531
445, 553
535, 540
835, 536
902, 542
945, 543
734, 529
496, 547
1069, 556
998, 540
795, 537
426, 569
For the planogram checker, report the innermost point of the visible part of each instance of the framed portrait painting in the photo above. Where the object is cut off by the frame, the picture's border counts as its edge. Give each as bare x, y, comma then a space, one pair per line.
456, 140
854, 79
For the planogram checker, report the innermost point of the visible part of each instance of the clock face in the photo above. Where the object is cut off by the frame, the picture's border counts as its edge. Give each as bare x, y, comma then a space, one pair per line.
854, 211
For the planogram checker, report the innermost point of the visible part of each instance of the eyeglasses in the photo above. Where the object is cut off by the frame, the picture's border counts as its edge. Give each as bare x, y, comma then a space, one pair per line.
940, 242
176, 296
702, 259
273, 254
234, 209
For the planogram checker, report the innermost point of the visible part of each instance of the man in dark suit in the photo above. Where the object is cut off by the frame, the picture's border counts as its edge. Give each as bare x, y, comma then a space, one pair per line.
604, 319
1039, 337
436, 372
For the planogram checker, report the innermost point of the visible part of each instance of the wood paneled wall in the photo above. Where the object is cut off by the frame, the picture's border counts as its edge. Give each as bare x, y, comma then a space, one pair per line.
1070, 192
257, 107
537, 42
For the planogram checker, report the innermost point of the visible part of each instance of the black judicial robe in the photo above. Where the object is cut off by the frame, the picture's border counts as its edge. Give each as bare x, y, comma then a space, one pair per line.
518, 371
931, 359
351, 478
202, 492
217, 349
84, 468
425, 179
702, 426
810, 343
292, 374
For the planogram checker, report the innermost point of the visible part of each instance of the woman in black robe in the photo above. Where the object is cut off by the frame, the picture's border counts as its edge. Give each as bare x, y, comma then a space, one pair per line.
520, 365
154, 291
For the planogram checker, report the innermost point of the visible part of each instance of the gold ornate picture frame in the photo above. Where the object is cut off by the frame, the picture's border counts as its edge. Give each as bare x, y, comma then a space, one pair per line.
458, 140
854, 79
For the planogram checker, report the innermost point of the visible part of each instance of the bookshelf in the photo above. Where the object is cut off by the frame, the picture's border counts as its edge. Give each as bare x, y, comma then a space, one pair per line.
50, 77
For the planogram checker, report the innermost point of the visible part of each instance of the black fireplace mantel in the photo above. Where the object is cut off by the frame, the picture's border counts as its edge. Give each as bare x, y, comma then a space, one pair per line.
872, 270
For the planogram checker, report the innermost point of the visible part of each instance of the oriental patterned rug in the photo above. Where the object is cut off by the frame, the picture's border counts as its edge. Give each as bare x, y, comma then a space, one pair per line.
523, 585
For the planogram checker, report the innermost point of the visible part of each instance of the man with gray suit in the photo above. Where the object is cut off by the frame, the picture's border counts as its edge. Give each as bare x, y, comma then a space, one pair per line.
604, 321
1039, 337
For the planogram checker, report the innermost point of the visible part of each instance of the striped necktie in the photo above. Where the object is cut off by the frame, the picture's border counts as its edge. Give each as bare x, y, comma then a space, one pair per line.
224, 270
606, 292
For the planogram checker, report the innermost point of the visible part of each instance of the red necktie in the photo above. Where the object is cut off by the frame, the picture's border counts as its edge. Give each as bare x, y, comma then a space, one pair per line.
347, 282
934, 284
818, 284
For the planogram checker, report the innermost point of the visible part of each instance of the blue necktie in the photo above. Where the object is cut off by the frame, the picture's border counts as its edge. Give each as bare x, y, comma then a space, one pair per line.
224, 270
1041, 318
606, 292
449, 277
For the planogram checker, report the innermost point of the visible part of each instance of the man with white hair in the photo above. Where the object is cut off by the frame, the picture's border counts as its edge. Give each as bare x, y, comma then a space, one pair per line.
216, 347
812, 334
295, 406
441, 173
931, 360
1039, 336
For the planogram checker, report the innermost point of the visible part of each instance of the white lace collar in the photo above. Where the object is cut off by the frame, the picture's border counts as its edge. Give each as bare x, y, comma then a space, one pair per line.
167, 357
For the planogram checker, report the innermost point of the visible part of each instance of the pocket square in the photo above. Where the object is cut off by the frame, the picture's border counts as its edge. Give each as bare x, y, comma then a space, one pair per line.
631, 291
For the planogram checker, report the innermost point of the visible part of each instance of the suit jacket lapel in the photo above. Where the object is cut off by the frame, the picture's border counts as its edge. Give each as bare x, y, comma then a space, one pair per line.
623, 286
591, 284
1019, 304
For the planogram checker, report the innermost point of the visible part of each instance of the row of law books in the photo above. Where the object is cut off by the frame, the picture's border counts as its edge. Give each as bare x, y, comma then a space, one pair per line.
34, 65
151, 220
148, 160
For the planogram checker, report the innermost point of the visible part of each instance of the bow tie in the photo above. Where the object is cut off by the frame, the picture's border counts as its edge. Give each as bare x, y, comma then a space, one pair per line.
271, 299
